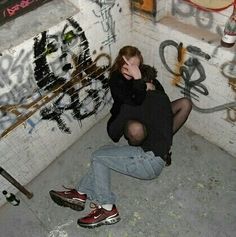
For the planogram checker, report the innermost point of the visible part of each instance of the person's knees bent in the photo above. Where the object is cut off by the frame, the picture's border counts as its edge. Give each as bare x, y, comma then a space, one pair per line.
102, 152
187, 104
95, 155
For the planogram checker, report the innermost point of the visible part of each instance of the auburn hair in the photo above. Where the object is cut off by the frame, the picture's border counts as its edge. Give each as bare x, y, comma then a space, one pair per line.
129, 52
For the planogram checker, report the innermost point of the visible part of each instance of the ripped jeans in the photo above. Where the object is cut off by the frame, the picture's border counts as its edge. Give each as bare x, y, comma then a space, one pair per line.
128, 160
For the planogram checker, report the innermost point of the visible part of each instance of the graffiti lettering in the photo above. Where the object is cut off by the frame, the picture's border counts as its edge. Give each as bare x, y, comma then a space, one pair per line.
8, 66
104, 2
231, 115
183, 9
82, 86
106, 19
17, 69
11, 9
197, 51
228, 70
186, 72
204, 19
24, 3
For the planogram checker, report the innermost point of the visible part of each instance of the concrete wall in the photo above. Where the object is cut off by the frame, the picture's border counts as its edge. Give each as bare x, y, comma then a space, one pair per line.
209, 72
53, 84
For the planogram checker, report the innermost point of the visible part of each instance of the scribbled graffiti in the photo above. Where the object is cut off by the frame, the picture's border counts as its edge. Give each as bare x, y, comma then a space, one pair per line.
104, 2
64, 74
148, 6
228, 70
197, 51
191, 87
17, 83
231, 115
204, 19
105, 18
13, 8
14, 66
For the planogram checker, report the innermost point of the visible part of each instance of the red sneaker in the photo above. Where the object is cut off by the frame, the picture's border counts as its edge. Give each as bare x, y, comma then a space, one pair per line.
70, 198
99, 216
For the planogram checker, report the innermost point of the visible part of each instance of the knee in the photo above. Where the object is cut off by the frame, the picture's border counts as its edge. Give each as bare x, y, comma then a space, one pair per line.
101, 152
187, 104
95, 155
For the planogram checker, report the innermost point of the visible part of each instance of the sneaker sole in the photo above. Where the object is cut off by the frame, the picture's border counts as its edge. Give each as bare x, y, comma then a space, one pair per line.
104, 222
73, 204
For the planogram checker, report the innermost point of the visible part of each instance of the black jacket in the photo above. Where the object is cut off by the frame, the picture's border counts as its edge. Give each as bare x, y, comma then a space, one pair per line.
156, 114
125, 91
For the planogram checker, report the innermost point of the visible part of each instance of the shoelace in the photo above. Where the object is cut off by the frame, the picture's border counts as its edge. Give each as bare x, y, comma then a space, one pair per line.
94, 208
93, 205
68, 188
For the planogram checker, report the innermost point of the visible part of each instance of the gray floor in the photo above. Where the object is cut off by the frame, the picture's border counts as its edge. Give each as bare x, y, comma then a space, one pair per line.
194, 197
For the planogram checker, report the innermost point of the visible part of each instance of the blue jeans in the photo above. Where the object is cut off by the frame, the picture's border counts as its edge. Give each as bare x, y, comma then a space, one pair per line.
128, 160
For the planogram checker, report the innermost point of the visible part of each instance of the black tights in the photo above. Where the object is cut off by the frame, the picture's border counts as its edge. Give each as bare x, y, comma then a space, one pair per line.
181, 109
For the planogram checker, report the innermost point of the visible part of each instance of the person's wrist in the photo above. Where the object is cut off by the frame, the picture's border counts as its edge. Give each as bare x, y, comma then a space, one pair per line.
137, 77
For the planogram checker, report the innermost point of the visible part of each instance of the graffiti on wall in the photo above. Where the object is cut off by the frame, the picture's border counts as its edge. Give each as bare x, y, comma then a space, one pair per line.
204, 18
10, 9
192, 73
215, 5
63, 77
228, 70
103, 14
202, 13
148, 6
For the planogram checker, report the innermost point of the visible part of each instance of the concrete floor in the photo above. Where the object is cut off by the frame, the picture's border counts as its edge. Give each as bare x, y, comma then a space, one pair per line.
194, 197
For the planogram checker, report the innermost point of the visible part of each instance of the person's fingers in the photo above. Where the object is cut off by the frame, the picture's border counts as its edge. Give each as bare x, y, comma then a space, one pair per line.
150, 86
136, 67
125, 71
126, 60
125, 66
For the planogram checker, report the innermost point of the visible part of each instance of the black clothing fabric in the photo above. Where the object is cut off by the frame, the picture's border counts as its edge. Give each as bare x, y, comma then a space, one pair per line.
149, 74
125, 91
156, 114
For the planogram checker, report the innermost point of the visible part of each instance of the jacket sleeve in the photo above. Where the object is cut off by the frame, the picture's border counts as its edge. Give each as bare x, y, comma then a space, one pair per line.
158, 85
115, 127
124, 94
138, 91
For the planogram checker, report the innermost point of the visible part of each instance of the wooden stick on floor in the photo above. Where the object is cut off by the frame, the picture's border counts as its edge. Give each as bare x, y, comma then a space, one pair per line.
15, 183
